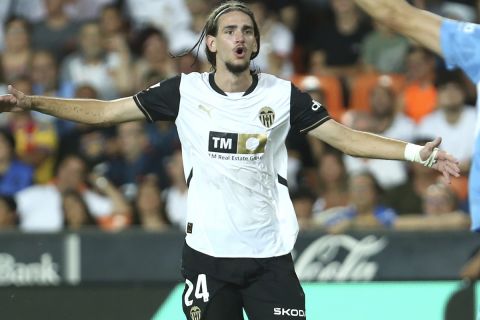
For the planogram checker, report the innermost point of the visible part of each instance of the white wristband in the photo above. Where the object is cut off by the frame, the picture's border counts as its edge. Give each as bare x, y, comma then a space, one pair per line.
412, 153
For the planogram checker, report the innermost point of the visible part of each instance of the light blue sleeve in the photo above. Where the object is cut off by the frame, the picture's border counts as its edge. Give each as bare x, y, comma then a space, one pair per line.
460, 43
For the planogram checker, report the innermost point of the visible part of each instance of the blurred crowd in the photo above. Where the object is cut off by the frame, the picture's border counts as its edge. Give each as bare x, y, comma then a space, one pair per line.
57, 175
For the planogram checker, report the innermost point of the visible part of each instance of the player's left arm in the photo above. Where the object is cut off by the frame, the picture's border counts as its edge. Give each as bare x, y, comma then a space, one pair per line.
368, 145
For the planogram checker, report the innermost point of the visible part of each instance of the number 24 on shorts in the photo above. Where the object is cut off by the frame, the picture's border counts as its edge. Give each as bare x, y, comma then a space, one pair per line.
201, 290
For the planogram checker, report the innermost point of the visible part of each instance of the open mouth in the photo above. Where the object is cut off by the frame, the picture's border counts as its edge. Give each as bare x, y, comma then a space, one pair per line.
240, 52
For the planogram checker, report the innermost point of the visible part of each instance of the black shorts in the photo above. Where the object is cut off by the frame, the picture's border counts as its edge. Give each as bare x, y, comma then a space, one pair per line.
221, 288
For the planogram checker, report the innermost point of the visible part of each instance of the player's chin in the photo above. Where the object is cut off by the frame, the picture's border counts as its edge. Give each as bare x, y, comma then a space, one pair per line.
238, 66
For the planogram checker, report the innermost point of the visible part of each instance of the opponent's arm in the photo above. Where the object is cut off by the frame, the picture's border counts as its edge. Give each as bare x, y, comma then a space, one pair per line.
419, 25
87, 111
367, 145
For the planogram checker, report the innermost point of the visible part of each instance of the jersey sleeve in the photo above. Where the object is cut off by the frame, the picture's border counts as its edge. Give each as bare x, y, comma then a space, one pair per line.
305, 113
161, 101
460, 43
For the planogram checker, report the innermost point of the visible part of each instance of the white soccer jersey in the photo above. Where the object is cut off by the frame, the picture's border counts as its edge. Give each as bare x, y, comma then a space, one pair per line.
235, 159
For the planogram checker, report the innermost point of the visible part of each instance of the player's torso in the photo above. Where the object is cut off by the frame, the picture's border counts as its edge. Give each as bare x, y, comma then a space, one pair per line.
233, 131
234, 155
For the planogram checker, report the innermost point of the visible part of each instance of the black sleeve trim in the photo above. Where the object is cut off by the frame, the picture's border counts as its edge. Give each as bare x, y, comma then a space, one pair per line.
305, 113
282, 180
313, 126
190, 176
142, 108
160, 101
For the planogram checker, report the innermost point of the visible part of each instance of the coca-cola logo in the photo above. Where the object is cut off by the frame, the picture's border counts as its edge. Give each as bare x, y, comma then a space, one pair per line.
320, 261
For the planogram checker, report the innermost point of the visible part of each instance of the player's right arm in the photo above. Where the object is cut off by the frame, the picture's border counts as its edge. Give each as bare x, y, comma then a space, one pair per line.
419, 25
87, 111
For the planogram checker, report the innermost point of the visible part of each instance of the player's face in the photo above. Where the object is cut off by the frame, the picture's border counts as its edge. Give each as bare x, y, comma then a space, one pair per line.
235, 42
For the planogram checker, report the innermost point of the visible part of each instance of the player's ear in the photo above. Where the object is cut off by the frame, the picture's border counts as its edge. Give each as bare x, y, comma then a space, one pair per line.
211, 43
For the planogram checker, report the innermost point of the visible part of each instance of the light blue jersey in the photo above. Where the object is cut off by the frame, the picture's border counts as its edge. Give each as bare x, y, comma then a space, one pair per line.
460, 44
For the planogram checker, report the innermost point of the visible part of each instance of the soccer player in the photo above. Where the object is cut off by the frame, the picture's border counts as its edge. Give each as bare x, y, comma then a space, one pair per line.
232, 124
457, 42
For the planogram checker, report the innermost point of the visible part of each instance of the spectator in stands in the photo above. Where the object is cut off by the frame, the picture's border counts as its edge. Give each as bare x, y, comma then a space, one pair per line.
91, 65
198, 9
45, 80
163, 137
14, 174
176, 195
17, 54
56, 33
4, 15
452, 118
40, 206
365, 211
36, 141
289, 15
303, 200
277, 42
419, 95
121, 215
384, 112
170, 16
135, 160
149, 207
441, 212
31, 10
336, 45
383, 119
384, 51
76, 214
115, 33
71, 133
8, 213
112, 22
439, 199
455, 121
332, 189
153, 57
187, 63
95, 146
86, 10
412, 190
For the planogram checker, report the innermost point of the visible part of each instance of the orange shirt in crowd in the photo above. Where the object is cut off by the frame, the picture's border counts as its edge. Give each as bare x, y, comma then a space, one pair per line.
419, 100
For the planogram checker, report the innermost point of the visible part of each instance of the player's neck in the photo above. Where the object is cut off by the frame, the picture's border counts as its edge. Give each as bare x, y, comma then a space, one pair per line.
230, 82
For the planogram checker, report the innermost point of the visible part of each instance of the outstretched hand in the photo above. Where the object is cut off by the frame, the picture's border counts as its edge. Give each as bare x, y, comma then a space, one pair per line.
14, 101
444, 162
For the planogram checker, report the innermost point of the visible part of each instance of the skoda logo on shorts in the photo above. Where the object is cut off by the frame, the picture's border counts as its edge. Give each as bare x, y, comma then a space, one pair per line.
266, 116
195, 313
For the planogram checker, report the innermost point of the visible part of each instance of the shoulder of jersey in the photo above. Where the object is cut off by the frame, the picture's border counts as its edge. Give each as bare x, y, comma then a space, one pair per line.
195, 75
269, 80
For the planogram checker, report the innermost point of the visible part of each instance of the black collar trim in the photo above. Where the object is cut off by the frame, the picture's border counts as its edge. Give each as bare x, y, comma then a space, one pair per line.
211, 80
